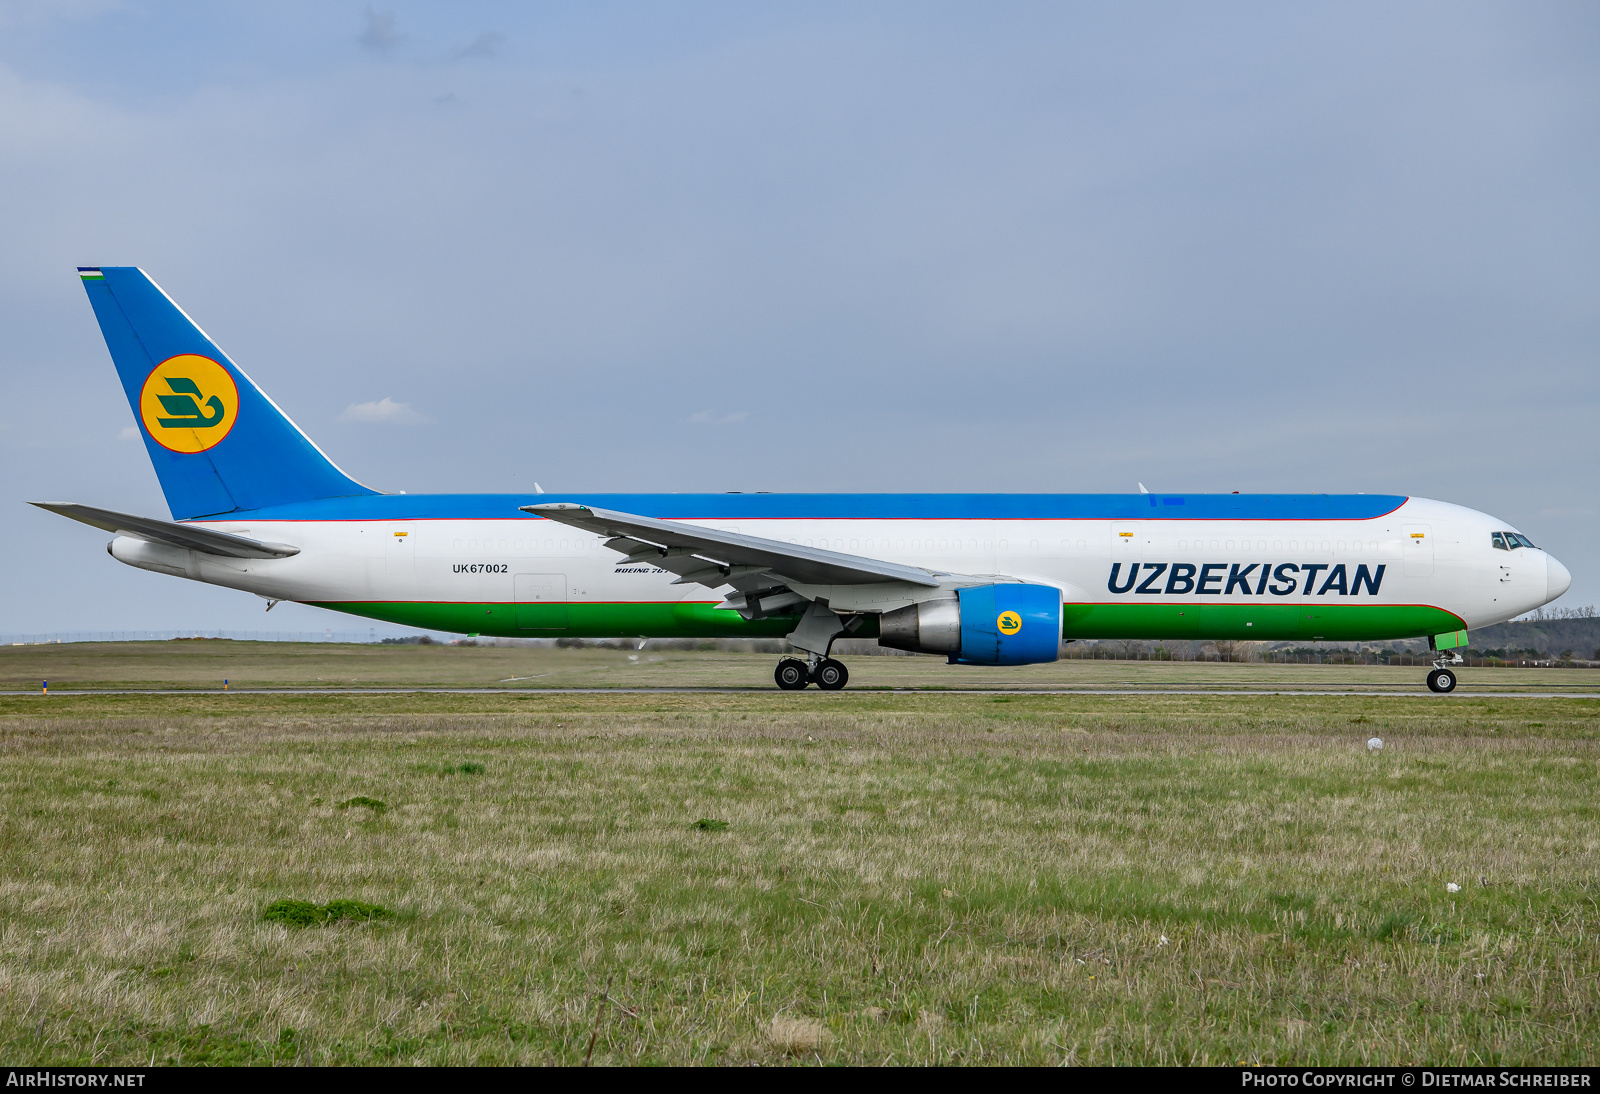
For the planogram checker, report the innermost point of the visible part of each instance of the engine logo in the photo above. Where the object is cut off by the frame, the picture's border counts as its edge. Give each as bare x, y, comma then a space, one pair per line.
1009, 622
189, 403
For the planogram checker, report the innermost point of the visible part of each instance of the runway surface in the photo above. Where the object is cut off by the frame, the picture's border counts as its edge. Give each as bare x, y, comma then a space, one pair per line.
1410, 693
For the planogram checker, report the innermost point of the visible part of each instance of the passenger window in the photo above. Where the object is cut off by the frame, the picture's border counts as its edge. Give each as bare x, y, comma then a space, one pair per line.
1499, 540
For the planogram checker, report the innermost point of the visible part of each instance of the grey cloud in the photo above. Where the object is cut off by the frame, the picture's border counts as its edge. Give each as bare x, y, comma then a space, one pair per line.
380, 35
712, 417
483, 47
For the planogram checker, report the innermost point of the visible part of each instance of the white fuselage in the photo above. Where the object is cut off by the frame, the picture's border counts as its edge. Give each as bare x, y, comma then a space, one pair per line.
1433, 553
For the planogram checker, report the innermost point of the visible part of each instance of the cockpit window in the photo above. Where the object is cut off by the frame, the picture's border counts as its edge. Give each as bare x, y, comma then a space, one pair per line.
1499, 540
1510, 541
1522, 540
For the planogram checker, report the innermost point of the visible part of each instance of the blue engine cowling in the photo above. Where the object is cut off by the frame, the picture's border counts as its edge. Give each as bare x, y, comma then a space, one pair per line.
1009, 624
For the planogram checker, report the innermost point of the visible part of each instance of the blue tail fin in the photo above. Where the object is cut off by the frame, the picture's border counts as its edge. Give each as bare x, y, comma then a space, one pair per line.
218, 443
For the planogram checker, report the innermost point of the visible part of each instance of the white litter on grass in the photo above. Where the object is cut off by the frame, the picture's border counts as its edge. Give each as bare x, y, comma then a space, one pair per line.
1451, 887
1163, 941
1374, 743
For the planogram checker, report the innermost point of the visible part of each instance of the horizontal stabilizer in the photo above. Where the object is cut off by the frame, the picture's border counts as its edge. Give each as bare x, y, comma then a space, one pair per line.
182, 536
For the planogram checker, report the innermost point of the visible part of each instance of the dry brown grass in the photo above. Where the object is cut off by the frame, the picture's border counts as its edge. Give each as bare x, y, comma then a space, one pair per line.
919, 878
797, 1036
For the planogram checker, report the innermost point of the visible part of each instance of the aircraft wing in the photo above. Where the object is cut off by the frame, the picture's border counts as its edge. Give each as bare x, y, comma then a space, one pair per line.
183, 536
711, 557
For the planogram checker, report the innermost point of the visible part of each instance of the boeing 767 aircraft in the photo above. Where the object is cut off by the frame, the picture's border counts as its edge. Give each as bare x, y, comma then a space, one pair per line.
985, 579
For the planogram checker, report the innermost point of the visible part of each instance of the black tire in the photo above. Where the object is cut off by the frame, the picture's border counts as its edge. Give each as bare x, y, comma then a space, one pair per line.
831, 675
1442, 681
792, 675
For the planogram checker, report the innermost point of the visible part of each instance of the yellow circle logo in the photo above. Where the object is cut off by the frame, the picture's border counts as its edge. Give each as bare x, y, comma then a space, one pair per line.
188, 403
1009, 622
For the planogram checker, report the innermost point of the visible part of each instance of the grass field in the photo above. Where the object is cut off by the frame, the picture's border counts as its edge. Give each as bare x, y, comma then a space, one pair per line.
205, 664
903, 878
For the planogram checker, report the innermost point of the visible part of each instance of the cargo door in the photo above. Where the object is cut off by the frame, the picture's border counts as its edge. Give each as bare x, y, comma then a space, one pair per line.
1417, 545
541, 602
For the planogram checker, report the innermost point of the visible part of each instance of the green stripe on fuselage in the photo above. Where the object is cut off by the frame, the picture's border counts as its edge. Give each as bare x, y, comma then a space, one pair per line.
637, 620
1258, 621
1264, 622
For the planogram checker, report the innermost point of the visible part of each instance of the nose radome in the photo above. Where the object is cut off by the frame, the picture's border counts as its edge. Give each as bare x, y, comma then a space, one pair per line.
1558, 579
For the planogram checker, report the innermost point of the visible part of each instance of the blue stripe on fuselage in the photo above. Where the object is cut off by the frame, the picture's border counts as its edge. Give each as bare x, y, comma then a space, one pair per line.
849, 506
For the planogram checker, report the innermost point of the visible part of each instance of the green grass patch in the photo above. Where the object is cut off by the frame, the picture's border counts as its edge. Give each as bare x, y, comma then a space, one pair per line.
303, 913
362, 802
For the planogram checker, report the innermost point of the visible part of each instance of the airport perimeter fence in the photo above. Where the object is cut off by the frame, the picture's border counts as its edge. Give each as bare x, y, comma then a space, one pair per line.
365, 635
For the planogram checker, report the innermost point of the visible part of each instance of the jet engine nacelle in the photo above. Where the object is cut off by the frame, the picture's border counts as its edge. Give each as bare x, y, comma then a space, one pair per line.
1010, 624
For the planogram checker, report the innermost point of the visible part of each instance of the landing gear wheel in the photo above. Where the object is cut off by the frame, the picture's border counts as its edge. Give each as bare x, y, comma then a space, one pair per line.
831, 675
792, 675
1442, 681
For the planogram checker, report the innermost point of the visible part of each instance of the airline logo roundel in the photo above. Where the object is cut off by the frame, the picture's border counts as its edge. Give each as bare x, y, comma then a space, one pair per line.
1009, 622
189, 403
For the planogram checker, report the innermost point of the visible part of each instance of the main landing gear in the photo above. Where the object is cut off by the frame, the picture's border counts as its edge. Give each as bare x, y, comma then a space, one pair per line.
793, 674
1443, 680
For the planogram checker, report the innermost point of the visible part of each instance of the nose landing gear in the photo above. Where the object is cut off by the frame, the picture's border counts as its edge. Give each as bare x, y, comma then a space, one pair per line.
793, 674
1442, 680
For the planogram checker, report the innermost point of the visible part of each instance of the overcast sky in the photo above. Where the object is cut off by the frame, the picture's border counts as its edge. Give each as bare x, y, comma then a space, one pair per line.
996, 247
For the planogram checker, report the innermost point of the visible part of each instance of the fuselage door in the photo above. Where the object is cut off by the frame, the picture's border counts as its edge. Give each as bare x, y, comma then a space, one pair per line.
399, 562
541, 602
1127, 548
1417, 544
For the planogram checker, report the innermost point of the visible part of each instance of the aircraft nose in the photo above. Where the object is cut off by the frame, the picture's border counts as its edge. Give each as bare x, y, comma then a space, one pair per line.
1558, 579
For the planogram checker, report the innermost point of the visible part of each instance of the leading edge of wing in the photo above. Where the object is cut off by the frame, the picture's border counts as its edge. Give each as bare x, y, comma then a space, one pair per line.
810, 565
182, 536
